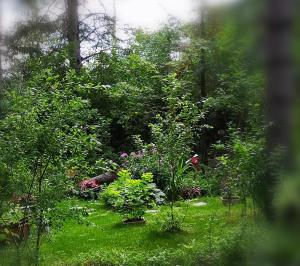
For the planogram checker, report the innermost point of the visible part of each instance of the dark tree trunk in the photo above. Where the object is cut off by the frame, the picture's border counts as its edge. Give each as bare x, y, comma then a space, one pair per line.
1, 66
279, 88
73, 33
1, 69
203, 92
114, 30
1, 46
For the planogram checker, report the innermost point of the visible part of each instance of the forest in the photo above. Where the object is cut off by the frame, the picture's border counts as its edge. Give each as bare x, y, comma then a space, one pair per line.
122, 145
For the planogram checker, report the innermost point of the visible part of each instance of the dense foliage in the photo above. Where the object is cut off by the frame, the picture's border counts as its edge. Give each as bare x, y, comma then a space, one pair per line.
175, 114
131, 196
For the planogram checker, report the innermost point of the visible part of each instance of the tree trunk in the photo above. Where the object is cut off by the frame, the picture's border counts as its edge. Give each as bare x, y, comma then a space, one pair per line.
1, 47
203, 92
1, 66
279, 89
73, 34
114, 31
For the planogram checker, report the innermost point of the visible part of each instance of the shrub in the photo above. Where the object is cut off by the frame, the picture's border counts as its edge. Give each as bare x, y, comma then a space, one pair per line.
47, 130
189, 184
146, 159
190, 192
131, 197
241, 166
171, 221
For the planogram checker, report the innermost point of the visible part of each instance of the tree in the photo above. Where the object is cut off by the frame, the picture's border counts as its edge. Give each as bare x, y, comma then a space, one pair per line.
1, 39
114, 33
73, 33
52, 136
279, 89
203, 93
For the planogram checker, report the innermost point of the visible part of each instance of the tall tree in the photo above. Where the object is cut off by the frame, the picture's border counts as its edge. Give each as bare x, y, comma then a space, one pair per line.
279, 89
1, 42
203, 92
73, 33
114, 33
203, 89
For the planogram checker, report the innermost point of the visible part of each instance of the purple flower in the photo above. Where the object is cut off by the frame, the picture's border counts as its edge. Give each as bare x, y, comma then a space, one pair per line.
124, 155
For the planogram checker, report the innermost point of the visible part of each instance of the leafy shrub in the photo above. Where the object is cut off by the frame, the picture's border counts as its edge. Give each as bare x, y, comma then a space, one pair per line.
47, 130
171, 221
145, 159
131, 197
190, 192
13, 216
189, 184
241, 166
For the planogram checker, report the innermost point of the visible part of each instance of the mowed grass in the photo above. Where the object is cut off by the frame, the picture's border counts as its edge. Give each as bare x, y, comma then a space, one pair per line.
106, 241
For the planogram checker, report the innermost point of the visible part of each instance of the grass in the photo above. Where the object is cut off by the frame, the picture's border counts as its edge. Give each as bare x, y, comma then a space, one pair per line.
106, 241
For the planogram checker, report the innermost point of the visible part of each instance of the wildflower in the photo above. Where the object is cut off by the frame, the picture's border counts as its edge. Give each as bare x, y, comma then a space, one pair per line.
124, 155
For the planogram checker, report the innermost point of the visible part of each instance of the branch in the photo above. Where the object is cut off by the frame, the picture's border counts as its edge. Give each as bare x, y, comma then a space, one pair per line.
94, 54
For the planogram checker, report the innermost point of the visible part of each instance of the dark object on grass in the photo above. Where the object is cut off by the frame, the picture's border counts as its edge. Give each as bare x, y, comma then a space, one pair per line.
140, 220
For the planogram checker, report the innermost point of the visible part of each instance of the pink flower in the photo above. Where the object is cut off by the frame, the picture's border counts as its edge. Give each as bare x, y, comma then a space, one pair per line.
89, 183
124, 155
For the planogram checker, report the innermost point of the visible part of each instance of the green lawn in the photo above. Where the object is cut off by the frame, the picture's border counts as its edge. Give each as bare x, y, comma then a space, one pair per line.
108, 242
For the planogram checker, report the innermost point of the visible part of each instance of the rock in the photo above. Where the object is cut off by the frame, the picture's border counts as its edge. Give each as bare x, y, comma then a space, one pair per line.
151, 211
199, 204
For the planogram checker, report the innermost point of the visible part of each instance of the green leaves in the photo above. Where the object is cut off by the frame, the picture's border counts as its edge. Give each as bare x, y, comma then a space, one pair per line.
46, 132
131, 196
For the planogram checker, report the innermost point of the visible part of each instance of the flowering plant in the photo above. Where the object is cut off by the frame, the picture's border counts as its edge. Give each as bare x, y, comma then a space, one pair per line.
190, 192
195, 162
124, 155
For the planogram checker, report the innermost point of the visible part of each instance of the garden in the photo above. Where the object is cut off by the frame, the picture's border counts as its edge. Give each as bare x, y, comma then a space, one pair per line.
126, 146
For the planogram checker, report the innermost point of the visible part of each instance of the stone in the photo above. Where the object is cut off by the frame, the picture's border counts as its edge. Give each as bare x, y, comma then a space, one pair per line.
199, 204
151, 211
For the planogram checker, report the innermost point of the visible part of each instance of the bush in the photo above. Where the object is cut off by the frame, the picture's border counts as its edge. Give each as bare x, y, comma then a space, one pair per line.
144, 159
131, 197
190, 192
241, 166
171, 221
